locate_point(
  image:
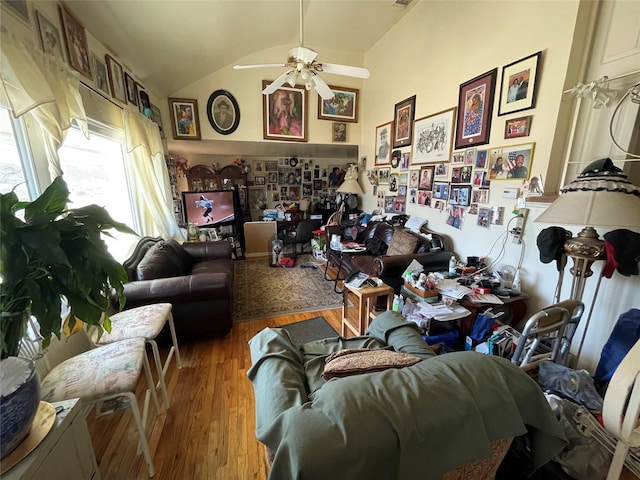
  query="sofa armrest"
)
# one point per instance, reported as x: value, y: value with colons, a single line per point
x: 395, y: 265
x: 201, y: 251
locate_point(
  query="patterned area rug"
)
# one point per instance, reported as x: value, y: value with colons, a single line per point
x: 262, y: 291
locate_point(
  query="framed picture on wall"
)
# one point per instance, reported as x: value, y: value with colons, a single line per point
x: 475, y: 106
x: 116, y: 79
x: 517, y: 127
x: 512, y: 162
x: 284, y: 114
x: 185, y: 124
x: 518, y: 87
x: 404, y: 113
x: 75, y: 37
x: 101, y: 76
x: 343, y: 106
x: 433, y: 137
x: 50, y: 39
x: 223, y: 112
x: 132, y: 90
x: 339, y: 130
x: 383, y: 147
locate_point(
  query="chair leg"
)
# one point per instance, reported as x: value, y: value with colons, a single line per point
x: 175, y: 341
x: 160, y: 371
x: 143, y: 443
x: 151, y: 384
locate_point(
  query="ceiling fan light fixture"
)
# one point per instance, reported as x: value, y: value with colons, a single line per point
x: 305, y: 75
x: 292, y: 78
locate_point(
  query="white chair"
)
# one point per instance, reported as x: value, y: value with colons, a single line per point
x: 145, y: 322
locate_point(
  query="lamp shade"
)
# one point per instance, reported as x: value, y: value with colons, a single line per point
x: 350, y: 184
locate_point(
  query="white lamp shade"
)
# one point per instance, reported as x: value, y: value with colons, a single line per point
x: 350, y: 184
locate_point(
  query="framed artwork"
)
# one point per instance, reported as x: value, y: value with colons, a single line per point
x: 20, y: 8
x: 289, y: 176
x: 481, y: 158
x: 460, y: 195
x: 480, y: 196
x: 383, y: 175
x: 404, y: 113
x: 404, y: 161
x: 157, y: 118
x: 257, y: 198
x: 383, y: 148
x: 517, y: 127
x: 395, y: 158
x: 455, y: 174
x: 342, y: 106
x: 50, y: 39
x: 272, y: 177
x: 457, y: 157
x: 441, y: 170
x: 132, y: 90
x: 475, y: 106
x: 223, y: 112
x: 424, y: 198
x: 184, y: 118
x: 271, y: 165
x: 116, y: 79
x: 144, y: 102
x: 465, y: 174
x: 470, y: 155
x: 284, y: 114
x: 426, y: 177
x: 518, y: 87
x: 339, y: 132
x: 433, y: 137
x: 317, y: 184
x: 403, y: 178
x: 75, y: 38
x: 260, y: 180
x: 514, y: 161
x: 258, y: 167
x: 101, y: 77
x: 393, y: 182
x: 441, y: 190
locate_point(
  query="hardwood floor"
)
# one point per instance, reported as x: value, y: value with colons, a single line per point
x: 209, y: 430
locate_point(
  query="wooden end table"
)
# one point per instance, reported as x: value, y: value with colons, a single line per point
x: 356, y: 319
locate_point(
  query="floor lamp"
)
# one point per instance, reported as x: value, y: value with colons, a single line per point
x: 351, y: 188
x: 601, y: 196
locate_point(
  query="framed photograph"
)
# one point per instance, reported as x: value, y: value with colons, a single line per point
x: 223, y: 112
x: 184, y: 118
x: 455, y: 174
x: 343, y: 106
x: 475, y: 106
x: 518, y: 87
x: 517, y: 127
x: 339, y: 130
x: 457, y: 157
x: 441, y: 190
x: 157, y: 117
x: 144, y: 102
x: 289, y: 176
x: 470, y: 155
x: 259, y: 180
x: 257, y: 198
x: 116, y: 79
x: 132, y: 89
x: 383, y: 175
x: 481, y: 159
x: 441, y: 170
x: 101, y: 77
x: 20, y: 8
x: 404, y: 113
x: 271, y: 165
x: 317, y: 184
x: 50, y: 39
x: 424, y: 198
x: 75, y: 38
x: 433, y: 137
x: 512, y: 162
x: 460, y: 195
x: 383, y: 148
x: 426, y: 177
x: 284, y: 114
x: 480, y: 196
x: 272, y: 177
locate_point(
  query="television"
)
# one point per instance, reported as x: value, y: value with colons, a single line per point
x: 211, y: 208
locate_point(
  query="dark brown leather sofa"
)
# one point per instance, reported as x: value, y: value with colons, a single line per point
x: 196, y: 278
x: 430, y: 250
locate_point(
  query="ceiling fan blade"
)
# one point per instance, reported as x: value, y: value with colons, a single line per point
x: 276, y: 84
x: 322, y: 88
x: 258, y: 65
x: 345, y: 70
x: 303, y: 54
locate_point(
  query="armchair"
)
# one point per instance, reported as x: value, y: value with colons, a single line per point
x: 301, y: 235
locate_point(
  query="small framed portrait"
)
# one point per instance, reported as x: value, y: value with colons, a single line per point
x: 480, y: 196
x: 317, y: 184
x: 343, y: 106
x: 441, y: 170
x: 457, y: 157
x: 424, y: 198
x: 475, y: 106
x: 223, y: 112
x: 101, y: 77
x: 284, y: 114
x: 383, y: 147
x: 441, y: 190
x: 460, y: 195
x: 185, y: 124
x: 518, y: 87
x: 465, y: 174
x: 414, y: 178
x: 470, y: 156
x: 403, y: 178
x: 258, y: 167
x: 144, y: 102
x: 339, y: 132
x: 132, y: 89
x: 404, y: 113
x: 156, y: 116
x: 383, y: 175
x: 455, y: 174
x: 512, y: 162
x: 481, y: 158
x: 426, y: 177
x: 116, y: 79
x: 271, y: 165
x: 260, y: 180
x: 76, y: 40
x: 50, y: 39
x: 433, y: 137
x: 272, y: 177
x: 517, y: 127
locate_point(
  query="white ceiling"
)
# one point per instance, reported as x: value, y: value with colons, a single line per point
x: 174, y: 43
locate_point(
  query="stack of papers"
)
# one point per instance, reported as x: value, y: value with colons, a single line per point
x: 453, y: 289
x: 486, y: 298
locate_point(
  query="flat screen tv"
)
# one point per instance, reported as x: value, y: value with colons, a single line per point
x: 210, y: 208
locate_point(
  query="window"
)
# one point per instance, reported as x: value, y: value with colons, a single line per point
x: 12, y: 173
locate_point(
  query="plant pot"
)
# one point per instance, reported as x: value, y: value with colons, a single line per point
x: 20, y: 387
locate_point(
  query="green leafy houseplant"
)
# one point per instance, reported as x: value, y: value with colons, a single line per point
x: 55, y: 256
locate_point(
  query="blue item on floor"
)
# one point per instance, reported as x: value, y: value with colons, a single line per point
x: 448, y: 338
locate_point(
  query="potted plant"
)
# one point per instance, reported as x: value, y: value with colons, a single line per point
x: 50, y: 258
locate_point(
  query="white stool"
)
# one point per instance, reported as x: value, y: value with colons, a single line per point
x: 144, y: 322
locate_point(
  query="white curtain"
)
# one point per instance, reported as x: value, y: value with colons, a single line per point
x: 150, y: 179
x: 37, y: 84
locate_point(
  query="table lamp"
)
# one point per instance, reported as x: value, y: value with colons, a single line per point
x: 351, y: 187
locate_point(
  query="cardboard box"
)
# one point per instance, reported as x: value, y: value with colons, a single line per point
x: 420, y: 292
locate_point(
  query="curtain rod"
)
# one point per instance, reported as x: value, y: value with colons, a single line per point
x: 607, y: 79
x: 94, y: 90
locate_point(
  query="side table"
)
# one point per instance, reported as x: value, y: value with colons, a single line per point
x: 356, y: 318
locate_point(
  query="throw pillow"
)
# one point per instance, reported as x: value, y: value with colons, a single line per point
x: 402, y: 243
x: 375, y: 246
x: 160, y: 261
x: 355, y: 361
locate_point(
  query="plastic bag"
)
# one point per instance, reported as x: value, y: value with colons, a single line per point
x: 576, y: 385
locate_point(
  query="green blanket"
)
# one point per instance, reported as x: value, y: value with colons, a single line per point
x: 409, y: 423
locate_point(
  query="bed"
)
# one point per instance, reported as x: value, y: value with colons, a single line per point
x: 423, y: 421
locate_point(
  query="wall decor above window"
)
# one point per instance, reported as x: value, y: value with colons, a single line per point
x: 475, y: 106
x: 116, y: 79
x: 343, y: 106
x: 76, y: 40
x: 223, y: 112
x: 184, y: 118
x: 404, y: 113
x: 50, y: 39
x: 518, y: 88
x: 132, y: 89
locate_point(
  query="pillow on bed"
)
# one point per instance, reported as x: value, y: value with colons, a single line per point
x: 402, y: 243
x: 355, y: 361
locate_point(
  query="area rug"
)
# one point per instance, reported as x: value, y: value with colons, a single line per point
x: 261, y: 291
x: 310, y: 330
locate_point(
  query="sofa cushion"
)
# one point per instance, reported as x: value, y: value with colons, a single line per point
x: 162, y: 260
x: 361, y: 360
x: 402, y: 243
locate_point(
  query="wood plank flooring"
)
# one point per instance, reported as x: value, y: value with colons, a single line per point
x: 208, y: 433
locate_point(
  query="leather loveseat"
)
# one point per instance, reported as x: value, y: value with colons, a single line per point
x: 195, y: 277
x: 384, y: 260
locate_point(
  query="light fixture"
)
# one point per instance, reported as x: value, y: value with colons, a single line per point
x: 350, y: 184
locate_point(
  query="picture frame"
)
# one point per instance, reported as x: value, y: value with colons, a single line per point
x: 116, y: 78
x: 517, y: 127
x: 441, y: 169
x: 156, y: 116
x: 511, y: 162
x: 457, y: 157
x: 272, y: 177
x: 271, y: 165
x: 339, y: 132
x: 383, y: 175
x: 75, y: 37
x: 518, y: 85
x: 403, y: 116
x: 342, y: 106
x: 426, y: 177
x: 49, y: 35
x: 131, y: 88
x: 383, y: 147
x: 258, y: 167
x: 260, y: 180
x: 101, y: 79
x: 223, y: 112
x: 144, y: 102
x: 441, y: 190
x: 284, y: 114
x: 475, y: 108
x: 460, y: 195
x: 19, y: 8
x: 433, y: 136
x: 185, y: 123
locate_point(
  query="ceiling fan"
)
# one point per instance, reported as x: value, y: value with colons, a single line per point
x: 304, y: 68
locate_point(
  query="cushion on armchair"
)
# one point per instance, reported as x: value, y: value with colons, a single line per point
x: 162, y: 260
x: 354, y: 361
x: 402, y: 243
